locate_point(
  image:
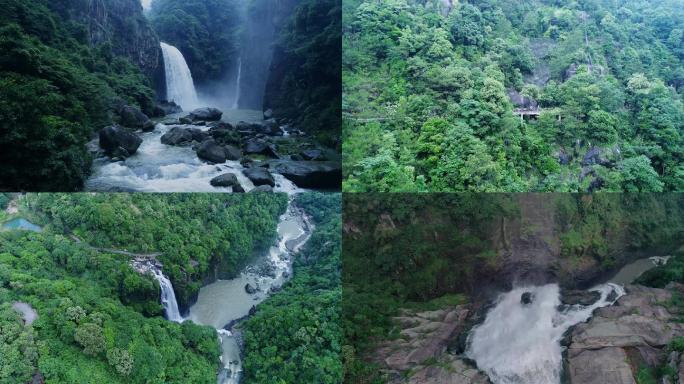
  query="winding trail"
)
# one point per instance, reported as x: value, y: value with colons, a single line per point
x: 152, y: 255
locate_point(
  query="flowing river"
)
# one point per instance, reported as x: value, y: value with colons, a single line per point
x: 225, y: 302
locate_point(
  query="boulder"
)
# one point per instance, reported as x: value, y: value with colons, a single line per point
x: 603, y: 366
x: 310, y: 174
x: 225, y: 180
x: 117, y: 139
x: 250, y: 289
x: 259, y: 176
x: 268, y: 114
x: 225, y: 134
x: 169, y: 107
x: 205, y: 114
x: 526, y: 298
x: 177, y: 136
x: 263, y: 189
x: 185, y: 120
x: 210, y: 151
x: 313, y: 154
x: 238, y: 189
x: 232, y: 152
x: 260, y: 147
x: 132, y: 117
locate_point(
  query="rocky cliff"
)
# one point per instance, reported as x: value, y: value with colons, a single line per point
x: 121, y: 24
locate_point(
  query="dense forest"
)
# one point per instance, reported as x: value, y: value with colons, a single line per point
x: 89, y: 326
x: 295, y: 336
x: 199, y: 236
x: 534, y: 95
x: 424, y: 252
x: 60, y: 80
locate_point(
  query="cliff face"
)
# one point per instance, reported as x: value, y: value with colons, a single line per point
x: 120, y: 23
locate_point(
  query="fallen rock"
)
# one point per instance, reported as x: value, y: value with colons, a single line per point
x: 132, y: 117
x: 586, y: 298
x: 225, y: 180
x: 259, y: 176
x: 260, y: 147
x: 212, y: 152
x: 250, y: 289
x: 313, y: 154
x: 232, y: 153
x: 116, y: 139
x: 526, y: 298
x: 205, y: 114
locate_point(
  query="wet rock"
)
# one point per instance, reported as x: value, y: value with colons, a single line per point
x: 169, y: 107
x: 232, y: 152
x: 116, y: 139
x: 594, y: 157
x: 225, y: 134
x: 252, y: 310
x: 185, y: 120
x: 313, y: 154
x: 132, y: 117
x: 238, y: 189
x: 250, y: 289
x: 209, y: 150
x: 286, y: 274
x: 225, y: 180
x: 259, y: 176
x: 585, y: 298
x: 205, y: 114
x: 596, y: 184
x: 526, y: 298
x: 310, y: 174
x: 262, y: 189
x: 177, y: 136
x: 268, y: 114
x: 260, y: 147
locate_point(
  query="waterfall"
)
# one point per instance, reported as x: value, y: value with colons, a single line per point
x: 168, y: 297
x: 179, y: 85
x: 520, y: 343
x: 146, y: 4
x: 237, y: 85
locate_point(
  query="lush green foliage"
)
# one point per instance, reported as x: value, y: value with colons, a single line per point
x: 198, y: 235
x: 89, y: 328
x: 295, y: 336
x: 205, y: 31
x: 427, y: 95
x: 56, y: 89
x: 305, y: 86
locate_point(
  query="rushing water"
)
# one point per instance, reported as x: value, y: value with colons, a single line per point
x: 168, y: 297
x: 21, y: 224
x: 158, y: 167
x: 179, y: 85
x: 238, y: 81
x: 520, y: 343
x: 225, y: 301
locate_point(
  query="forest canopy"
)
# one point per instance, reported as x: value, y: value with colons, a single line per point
x: 534, y: 95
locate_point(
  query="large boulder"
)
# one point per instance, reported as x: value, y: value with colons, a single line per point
x: 260, y: 147
x: 586, y: 298
x: 259, y: 176
x: 224, y: 133
x: 183, y: 136
x: 232, y: 152
x: 205, y: 114
x: 169, y: 107
x: 225, y: 180
x: 310, y: 174
x: 116, y: 140
x: 132, y: 117
x: 210, y: 151
x: 262, y: 189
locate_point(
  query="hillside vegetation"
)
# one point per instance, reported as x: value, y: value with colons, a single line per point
x: 430, y: 90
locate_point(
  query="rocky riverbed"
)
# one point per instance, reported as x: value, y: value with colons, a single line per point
x: 207, y: 150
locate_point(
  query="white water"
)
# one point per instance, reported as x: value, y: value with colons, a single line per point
x: 179, y: 85
x: 236, y: 103
x: 520, y: 344
x: 146, y: 4
x: 168, y: 297
x: 158, y: 167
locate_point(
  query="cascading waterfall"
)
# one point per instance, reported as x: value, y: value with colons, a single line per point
x: 168, y: 297
x: 238, y: 80
x: 520, y: 343
x: 179, y: 85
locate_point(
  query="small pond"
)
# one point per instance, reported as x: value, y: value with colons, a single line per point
x: 21, y: 224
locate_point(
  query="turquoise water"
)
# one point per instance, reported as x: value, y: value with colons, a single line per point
x: 21, y: 224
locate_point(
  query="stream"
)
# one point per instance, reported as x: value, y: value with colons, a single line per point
x: 225, y: 302
x: 519, y: 341
x: 158, y: 167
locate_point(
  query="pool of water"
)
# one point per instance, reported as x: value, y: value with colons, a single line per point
x: 21, y: 224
